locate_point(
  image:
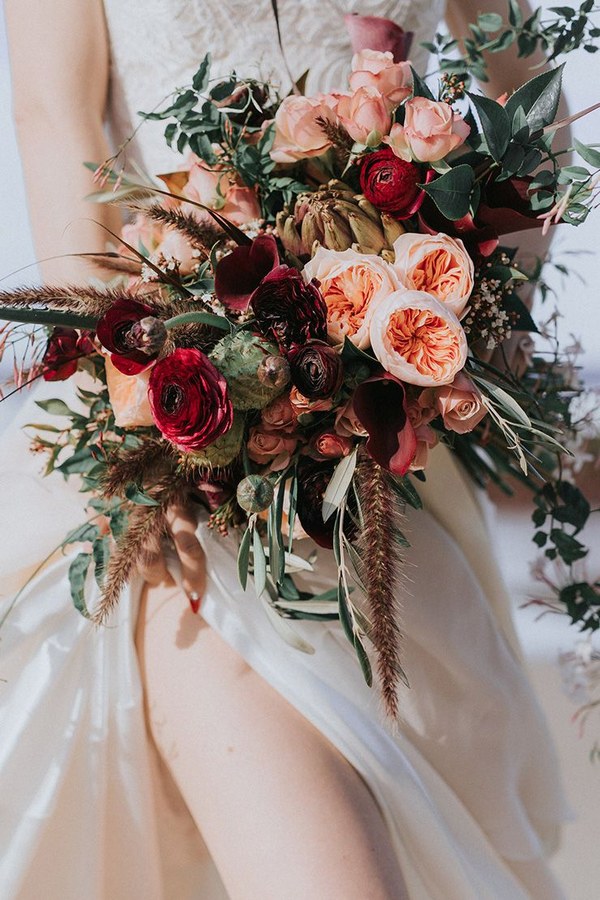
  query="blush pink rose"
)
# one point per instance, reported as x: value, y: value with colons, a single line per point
x: 431, y: 129
x: 364, y: 113
x: 418, y: 339
x: 222, y: 191
x: 329, y: 445
x: 436, y: 264
x: 298, y: 134
x: 422, y: 409
x: 352, y: 284
x: 460, y: 405
x: 302, y: 404
x: 279, y: 415
x: 347, y: 422
x: 270, y: 447
x: 373, y: 68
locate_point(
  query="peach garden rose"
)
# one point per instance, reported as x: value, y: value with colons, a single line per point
x: 436, y: 264
x: 352, y: 284
x: 418, y: 339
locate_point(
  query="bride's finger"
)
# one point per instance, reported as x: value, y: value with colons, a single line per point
x: 182, y: 525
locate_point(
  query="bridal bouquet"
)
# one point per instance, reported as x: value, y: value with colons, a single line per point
x: 302, y: 311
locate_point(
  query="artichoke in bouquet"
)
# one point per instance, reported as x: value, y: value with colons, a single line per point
x: 336, y: 218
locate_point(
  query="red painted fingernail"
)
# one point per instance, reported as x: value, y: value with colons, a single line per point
x: 194, y: 599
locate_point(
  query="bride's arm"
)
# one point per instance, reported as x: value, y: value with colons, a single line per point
x: 59, y: 61
x: 60, y: 71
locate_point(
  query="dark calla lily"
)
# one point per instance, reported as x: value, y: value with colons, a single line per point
x: 380, y: 406
x: 240, y: 272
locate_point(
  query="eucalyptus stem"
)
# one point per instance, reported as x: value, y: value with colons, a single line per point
x: 47, y: 317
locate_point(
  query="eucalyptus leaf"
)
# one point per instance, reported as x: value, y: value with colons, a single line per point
x: 55, y: 407
x: 588, y: 154
x: 539, y: 98
x: 284, y: 629
x: 78, y: 570
x: 260, y: 564
x: 139, y: 497
x: 451, y: 192
x: 339, y: 484
x: 243, y: 560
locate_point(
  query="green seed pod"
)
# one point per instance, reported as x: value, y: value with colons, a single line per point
x: 238, y: 357
x: 254, y: 493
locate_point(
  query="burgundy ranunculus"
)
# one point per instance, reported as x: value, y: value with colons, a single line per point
x: 380, y: 406
x: 114, y: 331
x: 240, y: 272
x: 288, y: 310
x: 392, y: 184
x: 189, y: 401
x: 65, y: 347
x: 316, y: 370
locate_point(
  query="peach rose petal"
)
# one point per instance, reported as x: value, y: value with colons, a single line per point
x: 352, y: 285
x: 436, y: 264
x: 128, y: 397
x: 418, y: 339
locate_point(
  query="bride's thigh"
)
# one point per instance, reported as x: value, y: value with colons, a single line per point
x: 281, y: 810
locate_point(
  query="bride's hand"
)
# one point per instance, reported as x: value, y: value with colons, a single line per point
x: 190, y: 560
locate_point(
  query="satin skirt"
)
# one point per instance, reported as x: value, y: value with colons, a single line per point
x: 468, y: 783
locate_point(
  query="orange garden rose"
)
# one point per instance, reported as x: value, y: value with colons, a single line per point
x: 298, y: 134
x: 418, y: 339
x: 373, y: 68
x: 352, y: 284
x: 430, y: 132
x: 460, y: 405
x: 436, y: 264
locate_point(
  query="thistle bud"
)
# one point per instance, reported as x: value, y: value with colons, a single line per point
x: 274, y: 371
x: 254, y: 493
x: 148, y: 335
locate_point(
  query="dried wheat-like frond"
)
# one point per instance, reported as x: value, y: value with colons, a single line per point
x: 201, y: 235
x: 381, y: 557
x: 140, y: 465
x: 140, y: 542
x: 82, y: 299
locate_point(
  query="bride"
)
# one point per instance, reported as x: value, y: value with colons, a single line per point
x: 266, y: 765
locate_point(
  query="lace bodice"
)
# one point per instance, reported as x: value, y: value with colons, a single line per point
x: 156, y: 46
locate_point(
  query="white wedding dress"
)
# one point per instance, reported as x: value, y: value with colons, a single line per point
x: 468, y: 786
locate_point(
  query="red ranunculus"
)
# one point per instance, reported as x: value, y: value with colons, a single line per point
x: 288, y: 310
x: 392, y: 184
x: 114, y: 332
x: 380, y: 406
x: 241, y: 271
x: 189, y: 401
x: 65, y: 347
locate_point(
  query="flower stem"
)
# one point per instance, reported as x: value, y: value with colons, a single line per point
x: 48, y: 317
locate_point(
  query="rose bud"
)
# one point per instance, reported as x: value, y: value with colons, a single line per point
x: 316, y: 369
x: 288, y: 310
x: 114, y: 331
x: 391, y: 184
x: 329, y: 445
x: 274, y: 371
x: 189, y: 401
x: 65, y: 347
x: 148, y: 335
